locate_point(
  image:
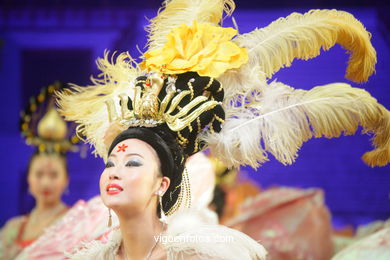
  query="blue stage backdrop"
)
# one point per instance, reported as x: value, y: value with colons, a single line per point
x: 40, y: 45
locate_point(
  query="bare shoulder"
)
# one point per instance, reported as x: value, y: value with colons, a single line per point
x: 14, y: 222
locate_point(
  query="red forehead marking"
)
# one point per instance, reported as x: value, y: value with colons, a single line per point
x: 122, y: 148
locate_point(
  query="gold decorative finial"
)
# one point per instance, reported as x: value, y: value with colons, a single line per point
x: 52, y: 126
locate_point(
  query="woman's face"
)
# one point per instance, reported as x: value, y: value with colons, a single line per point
x: 132, y: 177
x: 47, y: 178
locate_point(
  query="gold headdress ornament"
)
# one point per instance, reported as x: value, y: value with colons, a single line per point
x: 209, y: 86
x: 43, y: 127
x: 149, y: 111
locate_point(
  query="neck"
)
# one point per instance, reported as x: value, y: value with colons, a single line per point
x: 42, y: 206
x: 139, y: 234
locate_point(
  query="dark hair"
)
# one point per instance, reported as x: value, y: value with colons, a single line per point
x: 219, y: 200
x: 170, y: 153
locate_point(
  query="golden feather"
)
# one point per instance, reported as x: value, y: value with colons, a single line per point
x: 87, y: 105
x: 175, y: 13
x: 302, y: 36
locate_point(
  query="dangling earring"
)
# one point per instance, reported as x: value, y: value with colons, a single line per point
x: 163, y: 218
x: 109, y: 224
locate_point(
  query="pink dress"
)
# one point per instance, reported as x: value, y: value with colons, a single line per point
x: 84, y: 222
x: 11, y: 237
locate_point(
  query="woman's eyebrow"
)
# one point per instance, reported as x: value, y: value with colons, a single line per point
x: 126, y: 155
x: 131, y: 154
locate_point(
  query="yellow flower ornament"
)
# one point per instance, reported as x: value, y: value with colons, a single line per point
x: 201, y: 48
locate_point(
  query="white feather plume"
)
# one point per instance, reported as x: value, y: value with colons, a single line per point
x: 197, y: 240
x: 279, y: 119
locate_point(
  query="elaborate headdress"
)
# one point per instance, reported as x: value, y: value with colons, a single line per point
x: 209, y: 86
x: 43, y: 127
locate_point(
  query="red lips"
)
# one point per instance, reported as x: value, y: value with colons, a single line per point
x: 46, y: 192
x: 113, y: 189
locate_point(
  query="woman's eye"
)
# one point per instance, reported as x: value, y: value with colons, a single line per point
x: 133, y: 163
x: 39, y: 174
x: 109, y: 164
x: 53, y: 175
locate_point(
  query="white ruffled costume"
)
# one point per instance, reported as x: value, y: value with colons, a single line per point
x: 186, y: 237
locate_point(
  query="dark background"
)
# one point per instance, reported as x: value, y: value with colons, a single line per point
x: 44, y: 41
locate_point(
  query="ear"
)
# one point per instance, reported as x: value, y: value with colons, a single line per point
x: 165, y: 181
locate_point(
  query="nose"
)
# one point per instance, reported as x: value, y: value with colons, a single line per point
x: 113, y: 175
x: 46, y: 182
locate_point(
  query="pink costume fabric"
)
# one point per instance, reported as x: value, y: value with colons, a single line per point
x: 84, y: 222
x: 11, y: 236
x: 292, y: 224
